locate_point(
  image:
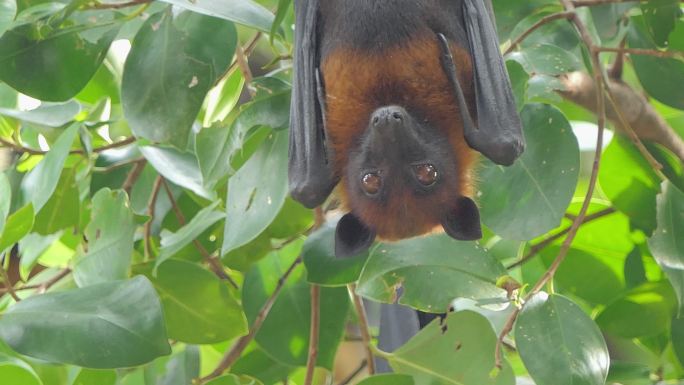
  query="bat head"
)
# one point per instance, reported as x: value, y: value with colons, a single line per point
x: 401, y: 181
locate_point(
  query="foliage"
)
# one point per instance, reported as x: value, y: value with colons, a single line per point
x: 146, y: 236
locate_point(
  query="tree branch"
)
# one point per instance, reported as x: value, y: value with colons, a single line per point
x: 234, y: 353
x: 314, y: 333
x: 363, y: 325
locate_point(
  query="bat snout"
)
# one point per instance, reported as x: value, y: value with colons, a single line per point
x: 389, y: 116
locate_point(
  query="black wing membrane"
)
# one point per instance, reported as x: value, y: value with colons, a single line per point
x: 498, y: 133
x: 310, y: 174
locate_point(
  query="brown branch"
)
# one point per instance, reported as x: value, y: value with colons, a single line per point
x: 21, y: 149
x: 42, y: 287
x: 543, y: 21
x: 150, y: 212
x: 363, y: 325
x: 241, y: 60
x: 601, y: 83
x: 347, y: 380
x: 535, y: 249
x: 9, y: 287
x: 236, y: 350
x: 133, y: 176
x: 213, y: 262
x: 314, y: 333
x: 117, y: 5
x: 591, y: 3
x: 642, y: 51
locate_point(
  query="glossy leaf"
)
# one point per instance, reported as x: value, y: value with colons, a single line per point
x: 172, y: 65
x: 666, y: 243
x: 198, y: 307
x: 660, y: 17
x: 530, y: 197
x: 256, y: 192
x: 8, y: 9
x: 5, y: 199
x: 95, y: 377
x: 463, y: 354
x: 559, y: 343
x: 17, y: 226
x: 285, y: 333
x: 388, y: 379
x: 432, y: 271
x: 14, y: 371
x: 171, y: 243
x: 245, y: 12
x: 63, y: 208
x: 40, y: 182
x: 47, y: 114
x: 179, y: 167
x: 54, y: 67
x: 322, y: 266
x: 110, y: 240
x: 231, y: 379
x: 650, y: 69
x: 124, y: 318
x: 546, y: 59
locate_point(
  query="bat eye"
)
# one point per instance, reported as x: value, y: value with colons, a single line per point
x: 371, y: 183
x: 426, y: 174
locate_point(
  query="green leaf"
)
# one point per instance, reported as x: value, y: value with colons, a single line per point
x: 677, y: 336
x: 519, y: 79
x: 172, y: 65
x: 48, y: 114
x: 39, y: 184
x: 5, y: 199
x: 322, y: 266
x: 110, y: 240
x: 644, y: 311
x: 530, y: 197
x: 666, y: 243
x: 63, y: 209
x: 231, y: 379
x: 630, y: 183
x: 388, y: 379
x: 182, y: 369
x: 260, y: 365
x: 292, y: 220
x: 217, y: 146
x: 650, y: 69
x: 433, y: 271
x: 8, y: 8
x: 17, y: 226
x: 285, y: 333
x: 245, y: 12
x: 660, y: 17
x: 198, y: 307
x: 221, y: 100
x: 171, y: 243
x: 256, y: 192
x: 546, y: 59
x: 54, y: 67
x: 179, y: 167
x: 463, y: 355
x: 124, y: 325
x: 14, y: 371
x: 95, y: 377
x: 559, y: 343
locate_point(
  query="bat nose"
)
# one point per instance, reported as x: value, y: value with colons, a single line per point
x: 388, y: 116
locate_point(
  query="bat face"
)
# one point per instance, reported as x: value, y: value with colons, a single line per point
x: 400, y: 182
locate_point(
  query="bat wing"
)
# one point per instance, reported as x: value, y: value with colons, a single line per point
x: 310, y: 174
x: 498, y: 133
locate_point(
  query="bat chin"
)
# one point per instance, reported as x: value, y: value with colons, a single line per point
x: 403, y: 229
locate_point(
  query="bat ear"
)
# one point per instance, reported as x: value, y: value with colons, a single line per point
x: 463, y: 222
x: 352, y: 237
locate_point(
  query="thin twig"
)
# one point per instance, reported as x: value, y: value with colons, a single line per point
x: 117, y: 5
x: 236, y: 350
x: 355, y: 373
x: 42, y: 287
x: 133, y: 176
x: 9, y: 287
x: 643, y: 51
x: 543, y: 21
x: 241, y: 60
x: 535, y: 249
x: 601, y: 83
x: 213, y: 262
x: 150, y: 212
x: 363, y: 325
x: 314, y: 333
x: 21, y: 149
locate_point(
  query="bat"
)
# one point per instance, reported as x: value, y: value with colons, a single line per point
x: 390, y: 101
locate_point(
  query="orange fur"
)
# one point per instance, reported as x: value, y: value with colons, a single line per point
x: 409, y: 75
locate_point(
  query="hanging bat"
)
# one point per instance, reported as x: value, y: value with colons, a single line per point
x: 390, y: 98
